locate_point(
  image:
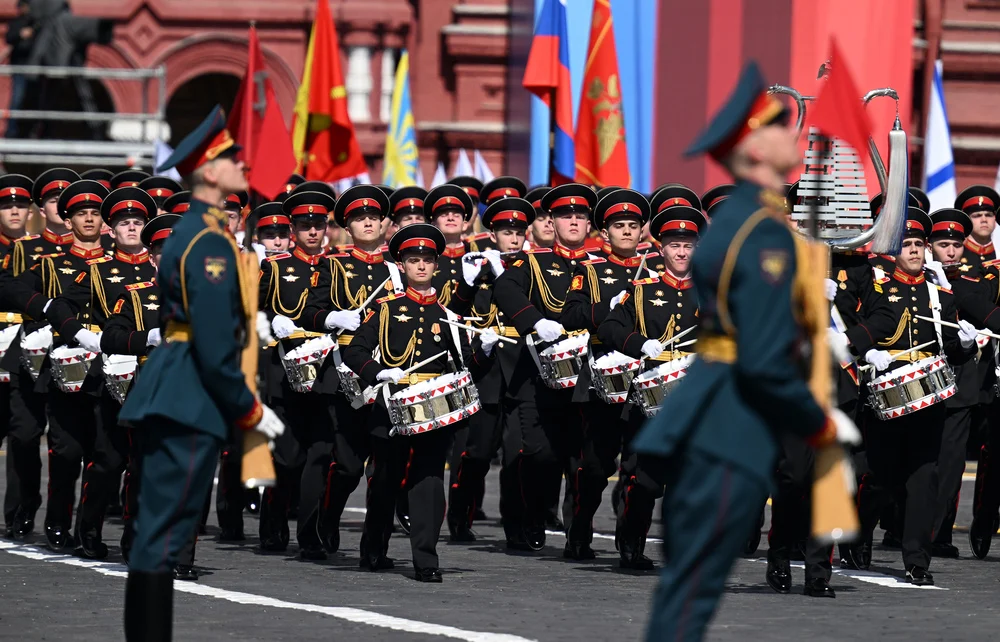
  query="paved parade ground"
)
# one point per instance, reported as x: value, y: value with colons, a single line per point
x: 488, y: 595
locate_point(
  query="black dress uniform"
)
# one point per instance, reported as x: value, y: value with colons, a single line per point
x: 973, y: 200
x: 487, y: 431
x: 160, y: 188
x: 345, y: 281
x: 407, y: 201
x: 417, y: 333
x: 597, y: 285
x: 532, y: 289
x: 108, y: 278
x: 15, y: 190
x: 27, y: 396
x: 499, y: 187
x: 903, y: 452
x: 73, y: 416
x: 656, y: 308
x: 450, y: 198
x: 302, y: 454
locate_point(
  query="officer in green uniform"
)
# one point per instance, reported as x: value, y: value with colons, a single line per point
x: 718, y: 428
x: 203, y: 318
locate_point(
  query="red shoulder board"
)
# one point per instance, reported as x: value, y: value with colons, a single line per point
x: 391, y: 297
x: 54, y: 255
x: 990, y: 276
x: 595, y: 260
x: 80, y: 277
x: 946, y: 290
x: 991, y: 263
x: 369, y: 314
x: 645, y: 245
x: 118, y: 305
x: 539, y: 250
x: 283, y: 255
x: 518, y: 263
x: 651, y: 280
x: 138, y: 286
x: 973, y: 279
x: 100, y: 259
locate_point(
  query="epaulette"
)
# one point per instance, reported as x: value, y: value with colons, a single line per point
x: 645, y: 245
x: 538, y: 250
x: 990, y: 276
x: 138, y: 286
x: 283, y: 255
x: 991, y: 263
x: 973, y: 278
x: 100, y: 259
x: 339, y: 255
x: 595, y: 261
x: 945, y: 290
x: 29, y: 237
x: 51, y: 256
x: 345, y: 248
x: 391, y: 297
x: 480, y: 236
x: 648, y: 281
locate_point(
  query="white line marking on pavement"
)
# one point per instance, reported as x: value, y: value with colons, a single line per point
x: 358, y: 616
x: 889, y: 581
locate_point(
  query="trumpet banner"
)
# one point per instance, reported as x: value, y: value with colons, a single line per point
x: 257, y: 467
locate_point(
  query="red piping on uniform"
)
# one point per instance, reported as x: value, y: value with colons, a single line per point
x: 520, y: 311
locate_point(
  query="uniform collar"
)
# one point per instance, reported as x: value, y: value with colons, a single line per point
x: 981, y: 250
x: 63, y: 239
x: 374, y: 257
x: 631, y: 262
x: 95, y: 253
x: 138, y: 257
x: 416, y: 297
x: 606, y: 248
x: 675, y: 283
x: 905, y: 278
x: 454, y: 252
x: 566, y: 253
x: 311, y: 259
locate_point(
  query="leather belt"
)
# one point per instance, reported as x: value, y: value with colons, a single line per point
x: 717, y: 347
x: 508, y: 331
x: 909, y: 355
x: 11, y: 317
x: 418, y: 377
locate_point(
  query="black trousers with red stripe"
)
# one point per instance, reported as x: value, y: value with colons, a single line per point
x: 791, y: 509
x: 951, y: 466
x: 352, y: 445
x: 73, y: 428
x: 102, y: 473
x: 25, y: 429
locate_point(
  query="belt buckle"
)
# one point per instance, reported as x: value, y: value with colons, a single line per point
x: 413, y: 378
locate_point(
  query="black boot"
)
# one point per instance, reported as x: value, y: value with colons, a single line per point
x: 630, y: 548
x: 92, y: 547
x: 149, y: 607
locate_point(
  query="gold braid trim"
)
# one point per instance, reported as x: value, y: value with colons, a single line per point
x: 18, y: 261
x: 444, y: 297
x: 50, y: 284
x: 668, y: 332
x: 276, y: 305
x: 549, y: 300
x: 488, y: 319
x: 97, y: 287
x: 640, y: 312
x: 355, y: 299
x: 595, y: 286
x: 904, y: 321
x: 137, y: 311
x: 389, y: 359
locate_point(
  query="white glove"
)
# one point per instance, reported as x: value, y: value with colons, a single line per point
x: 264, y: 329
x: 496, y: 263
x: 652, y: 348
x: 269, y: 425
x: 831, y: 289
x: 45, y: 308
x: 260, y: 251
x: 880, y: 359
x: 938, y: 270
x: 283, y: 326
x: 967, y: 333
x: 153, y: 337
x: 390, y: 374
x: 839, y: 343
x: 549, y: 330
x: 347, y: 319
x: 90, y: 341
x: 847, y: 432
x: 489, y: 338
x: 618, y: 299
x: 472, y: 266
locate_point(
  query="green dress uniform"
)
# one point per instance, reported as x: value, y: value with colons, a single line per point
x: 718, y: 427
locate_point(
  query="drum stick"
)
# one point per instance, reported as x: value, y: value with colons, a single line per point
x: 477, y: 330
x: 638, y: 270
x: 913, y: 349
x: 423, y: 363
x: 678, y: 336
x: 364, y: 305
x: 985, y: 333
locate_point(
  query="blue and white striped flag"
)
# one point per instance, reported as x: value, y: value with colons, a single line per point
x: 939, y: 163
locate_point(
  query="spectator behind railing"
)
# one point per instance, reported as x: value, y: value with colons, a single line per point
x: 21, y: 38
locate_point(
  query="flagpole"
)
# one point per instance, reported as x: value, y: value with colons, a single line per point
x: 552, y: 139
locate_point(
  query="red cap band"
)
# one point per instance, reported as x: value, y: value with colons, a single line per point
x: 127, y: 205
x: 537, y: 204
x: 911, y: 225
x: 567, y: 201
x: 180, y: 208
x: 509, y: 215
x: 106, y: 184
x: 408, y: 203
x: 362, y: 202
x: 673, y: 202
x: 129, y: 184
x: 979, y: 200
x: 233, y: 198
x: 267, y: 221
x: 89, y: 198
x: 471, y: 191
x: 159, y: 235
x: 417, y: 242
x: 160, y: 192
x: 55, y: 185
x: 446, y: 200
x: 622, y: 208
x: 719, y: 199
x: 946, y: 226
x: 685, y: 225
x: 308, y: 209
x: 16, y: 191
x: 503, y: 191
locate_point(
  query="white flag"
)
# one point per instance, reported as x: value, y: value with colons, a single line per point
x: 483, y: 171
x: 161, y: 152
x: 462, y: 166
x: 939, y: 164
x: 419, y: 177
x: 440, y: 177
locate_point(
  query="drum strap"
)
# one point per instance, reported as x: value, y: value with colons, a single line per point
x: 397, y: 281
x: 456, y: 340
x: 932, y: 293
x: 529, y: 341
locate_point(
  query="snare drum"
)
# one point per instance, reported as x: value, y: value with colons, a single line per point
x: 70, y: 367
x: 6, y: 338
x: 34, y: 348
x: 350, y: 384
x: 912, y: 387
x: 119, y: 370
x: 562, y: 363
x: 436, y: 403
x: 612, y: 376
x: 303, y: 363
x: 653, y: 386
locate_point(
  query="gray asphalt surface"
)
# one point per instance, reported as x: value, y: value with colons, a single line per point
x: 485, y: 589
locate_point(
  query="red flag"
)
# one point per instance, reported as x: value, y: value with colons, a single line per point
x: 838, y: 110
x: 256, y: 124
x: 601, y: 158
x: 323, y: 135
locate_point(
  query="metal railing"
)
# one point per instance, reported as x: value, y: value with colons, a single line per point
x: 139, y: 153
